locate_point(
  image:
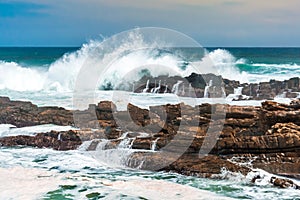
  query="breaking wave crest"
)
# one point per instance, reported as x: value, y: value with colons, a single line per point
x: 61, y: 75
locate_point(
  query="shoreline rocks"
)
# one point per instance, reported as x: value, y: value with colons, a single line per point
x: 21, y: 114
x: 170, y: 137
x: 62, y: 141
x: 284, y: 183
x: 194, y: 86
x: 209, y: 166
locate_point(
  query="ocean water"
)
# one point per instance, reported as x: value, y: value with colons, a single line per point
x: 47, y: 76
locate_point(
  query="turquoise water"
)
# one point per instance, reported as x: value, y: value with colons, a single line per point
x: 266, y: 55
x: 268, y: 61
x: 34, y: 56
x: 44, y: 56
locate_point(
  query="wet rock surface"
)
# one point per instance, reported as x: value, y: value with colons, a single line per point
x: 170, y: 137
x: 23, y: 114
x: 209, y: 166
x: 195, y: 86
x: 284, y: 183
x: 67, y: 140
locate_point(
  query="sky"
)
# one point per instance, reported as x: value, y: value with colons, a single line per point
x: 218, y: 23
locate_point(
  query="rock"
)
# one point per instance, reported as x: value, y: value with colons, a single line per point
x: 22, y: 114
x: 274, y: 106
x: 106, y: 106
x: 284, y: 164
x: 258, y: 91
x: 283, y: 183
x: 253, y: 180
x: 197, y: 80
x: 268, y: 137
x: 272, y: 113
x: 295, y: 104
x: 280, y: 138
x: 66, y: 140
x: 188, y: 164
x: 139, y: 116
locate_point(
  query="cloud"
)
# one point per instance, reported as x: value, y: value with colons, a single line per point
x: 10, y: 9
x: 157, y: 4
x: 233, y: 3
x: 213, y: 22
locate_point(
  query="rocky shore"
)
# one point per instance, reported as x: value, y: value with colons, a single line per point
x: 195, y: 86
x: 21, y: 114
x: 170, y: 137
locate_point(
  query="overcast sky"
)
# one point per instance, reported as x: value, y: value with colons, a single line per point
x: 210, y: 22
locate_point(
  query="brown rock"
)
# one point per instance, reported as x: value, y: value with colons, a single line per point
x: 22, y: 114
x: 66, y: 140
x: 283, y: 183
x: 192, y: 165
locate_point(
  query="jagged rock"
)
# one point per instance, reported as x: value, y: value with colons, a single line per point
x: 257, y: 91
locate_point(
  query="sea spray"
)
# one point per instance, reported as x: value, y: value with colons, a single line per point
x: 61, y: 75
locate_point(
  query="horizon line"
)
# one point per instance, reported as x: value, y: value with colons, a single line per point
x: 67, y: 46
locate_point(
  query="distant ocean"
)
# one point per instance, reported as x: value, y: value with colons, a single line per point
x: 46, y: 76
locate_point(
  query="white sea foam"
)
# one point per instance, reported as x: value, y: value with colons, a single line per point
x: 159, y: 189
x: 122, y: 58
x: 221, y: 62
x: 19, y: 183
x: 16, y: 77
